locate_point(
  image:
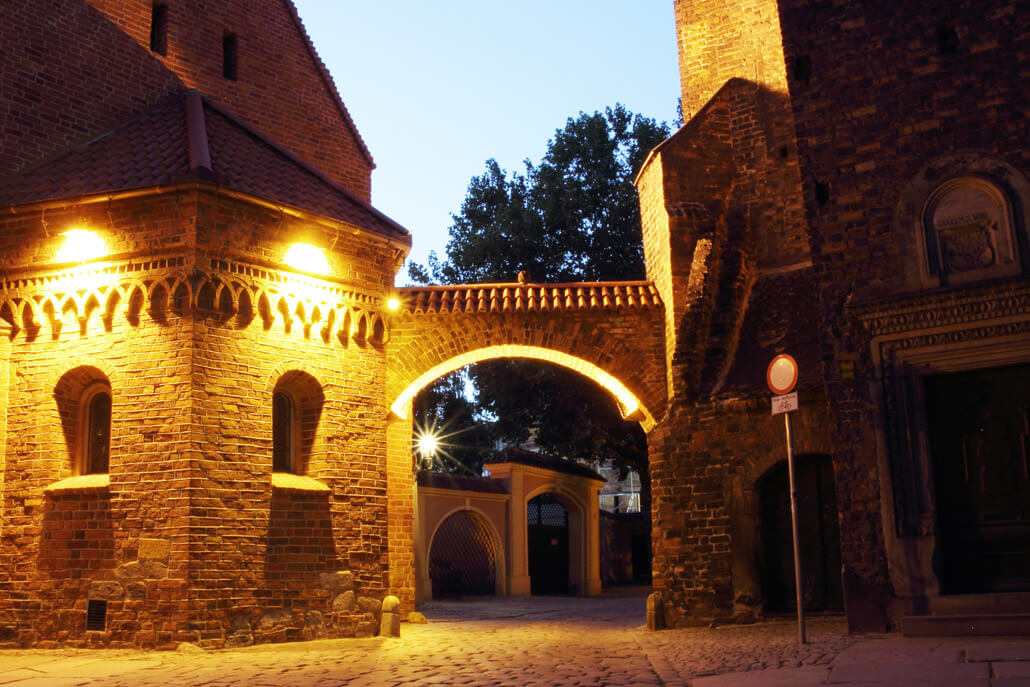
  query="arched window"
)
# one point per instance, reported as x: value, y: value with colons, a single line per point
x: 296, y: 409
x: 285, y: 433
x: 968, y: 232
x: 96, y: 429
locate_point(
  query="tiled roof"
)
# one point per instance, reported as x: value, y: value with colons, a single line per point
x: 540, y: 460
x: 154, y: 149
x: 441, y: 481
x: 149, y: 150
x: 530, y: 297
x: 782, y: 314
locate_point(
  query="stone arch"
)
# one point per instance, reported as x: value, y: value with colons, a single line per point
x: 490, y: 527
x: 70, y: 392
x: 91, y: 361
x: 306, y: 399
x: 749, y: 530
x: 578, y: 536
x: 970, y: 169
x: 629, y: 404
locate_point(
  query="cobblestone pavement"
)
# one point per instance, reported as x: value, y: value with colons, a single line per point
x: 535, y: 641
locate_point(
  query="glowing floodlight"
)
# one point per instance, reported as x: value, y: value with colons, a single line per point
x: 393, y: 304
x: 81, y: 245
x: 307, y: 258
x: 427, y: 445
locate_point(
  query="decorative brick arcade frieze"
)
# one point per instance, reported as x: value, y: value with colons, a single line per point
x: 221, y: 291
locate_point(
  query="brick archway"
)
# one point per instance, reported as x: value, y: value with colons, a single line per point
x: 613, y: 333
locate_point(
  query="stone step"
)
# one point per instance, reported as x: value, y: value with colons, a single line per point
x: 979, y: 604
x: 978, y: 625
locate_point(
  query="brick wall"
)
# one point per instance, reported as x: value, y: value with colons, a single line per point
x: 889, y: 96
x: 190, y: 541
x: 720, y: 40
x: 282, y: 89
x: 68, y: 74
x: 77, y: 68
x: 696, y: 455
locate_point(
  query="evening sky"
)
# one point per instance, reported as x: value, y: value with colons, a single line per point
x: 436, y: 89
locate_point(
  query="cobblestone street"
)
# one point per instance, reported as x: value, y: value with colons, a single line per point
x: 550, y: 641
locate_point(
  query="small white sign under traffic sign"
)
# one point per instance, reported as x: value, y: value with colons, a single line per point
x: 784, y: 403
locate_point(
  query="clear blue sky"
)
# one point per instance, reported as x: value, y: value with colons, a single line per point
x: 436, y: 89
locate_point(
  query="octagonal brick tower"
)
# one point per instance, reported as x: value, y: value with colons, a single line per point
x: 163, y: 479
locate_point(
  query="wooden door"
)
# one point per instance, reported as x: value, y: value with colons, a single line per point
x: 979, y: 441
x: 818, y: 531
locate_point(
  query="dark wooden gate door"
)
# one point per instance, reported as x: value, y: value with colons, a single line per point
x: 979, y: 439
x: 818, y: 531
x: 548, y: 534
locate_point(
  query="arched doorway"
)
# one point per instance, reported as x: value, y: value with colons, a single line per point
x: 547, y: 532
x: 463, y: 557
x: 818, y: 533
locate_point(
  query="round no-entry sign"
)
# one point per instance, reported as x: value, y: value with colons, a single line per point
x: 782, y: 374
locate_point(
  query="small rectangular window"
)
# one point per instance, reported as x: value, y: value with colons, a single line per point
x: 159, y: 28
x: 96, y: 616
x: 230, y: 56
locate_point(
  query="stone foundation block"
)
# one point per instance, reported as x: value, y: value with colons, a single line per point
x: 341, y: 580
x: 109, y: 590
x: 344, y: 602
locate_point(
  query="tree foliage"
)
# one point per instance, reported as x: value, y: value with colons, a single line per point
x: 572, y: 217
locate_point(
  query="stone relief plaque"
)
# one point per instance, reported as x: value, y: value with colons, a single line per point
x: 969, y: 233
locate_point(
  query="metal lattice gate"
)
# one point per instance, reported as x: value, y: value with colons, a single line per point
x: 463, y: 557
x: 548, y: 543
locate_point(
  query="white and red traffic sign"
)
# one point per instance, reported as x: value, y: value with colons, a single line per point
x: 782, y: 374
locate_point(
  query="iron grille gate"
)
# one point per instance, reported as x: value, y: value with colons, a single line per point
x: 463, y: 558
x: 548, y: 544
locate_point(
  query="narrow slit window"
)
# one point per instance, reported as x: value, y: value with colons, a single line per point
x: 284, y: 433
x: 159, y: 28
x: 97, y: 426
x: 230, y: 56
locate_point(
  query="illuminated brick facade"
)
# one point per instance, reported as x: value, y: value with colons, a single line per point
x: 849, y: 187
x: 150, y: 390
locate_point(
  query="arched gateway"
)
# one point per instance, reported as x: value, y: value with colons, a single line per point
x: 611, y: 332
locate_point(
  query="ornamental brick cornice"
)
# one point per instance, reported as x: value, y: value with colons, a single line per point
x: 224, y: 291
x: 970, y: 305
x: 516, y: 297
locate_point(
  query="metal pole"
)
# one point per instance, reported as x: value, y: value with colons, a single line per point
x: 799, y: 594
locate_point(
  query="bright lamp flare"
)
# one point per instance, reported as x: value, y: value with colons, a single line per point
x: 427, y: 445
x: 307, y: 258
x: 393, y: 304
x: 81, y: 245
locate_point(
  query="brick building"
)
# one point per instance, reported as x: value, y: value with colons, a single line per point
x: 849, y: 187
x: 206, y: 374
x: 205, y: 370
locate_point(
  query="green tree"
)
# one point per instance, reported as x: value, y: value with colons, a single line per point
x: 574, y: 216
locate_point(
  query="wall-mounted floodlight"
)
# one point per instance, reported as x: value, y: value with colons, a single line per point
x: 307, y: 258
x: 81, y: 245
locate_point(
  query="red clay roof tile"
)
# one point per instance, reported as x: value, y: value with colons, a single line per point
x: 153, y: 149
x: 516, y: 297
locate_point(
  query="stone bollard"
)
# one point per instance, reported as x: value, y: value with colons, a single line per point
x: 390, y: 620
x: 655, y: 612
